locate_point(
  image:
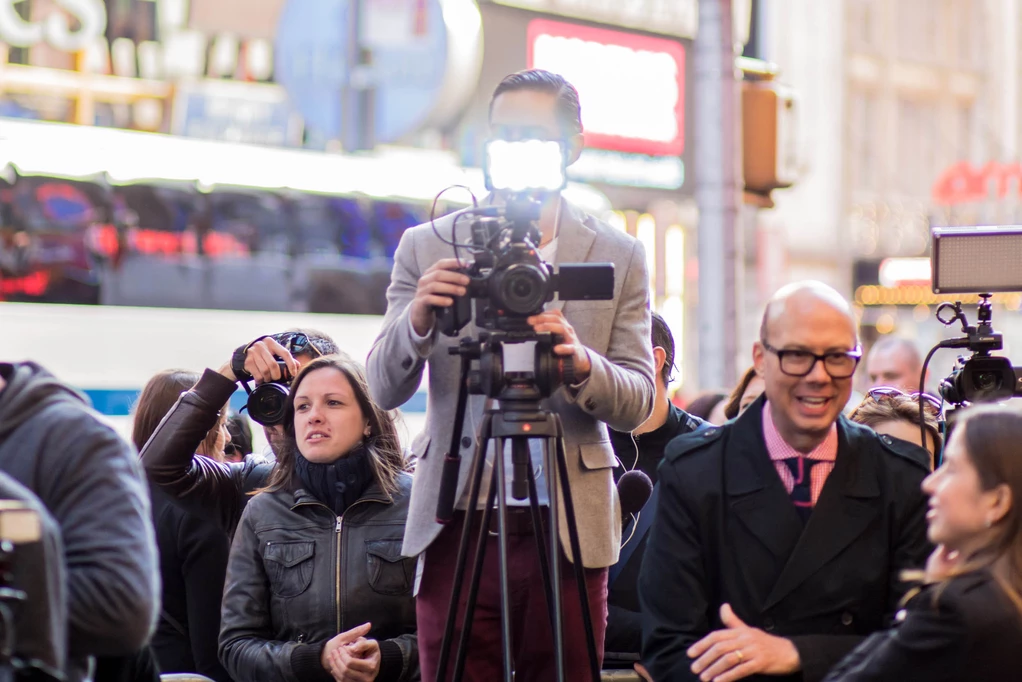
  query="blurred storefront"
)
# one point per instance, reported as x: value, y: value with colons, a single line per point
x: 108, y: 212
x: 933, y: 121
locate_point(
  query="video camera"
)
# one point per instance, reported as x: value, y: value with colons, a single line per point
x: 509, y: 280
x: 980, y: 260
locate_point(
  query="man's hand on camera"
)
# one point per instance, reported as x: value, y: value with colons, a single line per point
x: 436, y: 288
x: 261, y: 363
x: 553, y: 321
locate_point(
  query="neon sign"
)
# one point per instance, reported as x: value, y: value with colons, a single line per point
x: 964, y: 183
x: 632, y: 87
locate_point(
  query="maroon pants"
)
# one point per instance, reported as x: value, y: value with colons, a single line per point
x: 531, y: 636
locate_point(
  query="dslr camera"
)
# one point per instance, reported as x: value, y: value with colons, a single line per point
x: 267, y: 402
x: 509, y: 280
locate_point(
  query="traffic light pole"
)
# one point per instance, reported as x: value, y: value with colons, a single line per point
x: 718, y: 192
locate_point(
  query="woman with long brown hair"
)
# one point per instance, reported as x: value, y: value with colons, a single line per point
x: 316, y: 584
x: 965, y: 623
x: 193, y: 550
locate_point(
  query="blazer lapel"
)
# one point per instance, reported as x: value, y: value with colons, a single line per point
x: 756, y: 495
x: 574, y: 241
x: 846, y: 508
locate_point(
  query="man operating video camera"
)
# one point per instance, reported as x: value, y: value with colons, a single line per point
x: 607, y: 341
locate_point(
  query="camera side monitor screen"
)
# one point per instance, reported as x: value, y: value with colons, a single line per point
x: 525, y: 166
x: 974, y: 260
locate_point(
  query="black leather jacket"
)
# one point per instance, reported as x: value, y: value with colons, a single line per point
x: 204, y: 487
x: 298, y: 575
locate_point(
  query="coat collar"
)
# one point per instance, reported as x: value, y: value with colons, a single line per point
x: 845, y: 509
x: 374, y: 493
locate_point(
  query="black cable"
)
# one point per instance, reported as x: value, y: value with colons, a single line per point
x: 432, y: 215
x: 922, y: 411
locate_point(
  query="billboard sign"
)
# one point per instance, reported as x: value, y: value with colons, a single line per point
x: 631, y: 87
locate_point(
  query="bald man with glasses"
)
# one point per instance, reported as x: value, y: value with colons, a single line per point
x: 780, y: 537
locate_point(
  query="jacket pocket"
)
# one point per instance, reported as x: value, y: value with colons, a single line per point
x: 289, y: 567
x: 389, y: 572
x: 598, y: 455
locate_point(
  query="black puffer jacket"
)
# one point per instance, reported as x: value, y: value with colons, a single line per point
x: 298, y: 575
x: 90, y: 482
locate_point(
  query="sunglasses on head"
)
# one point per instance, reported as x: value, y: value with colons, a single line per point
x: 888, y: 391
x: 297, y: 343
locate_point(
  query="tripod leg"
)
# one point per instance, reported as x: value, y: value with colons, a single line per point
x: 556, y: 609
x: 541, y: 548
x: 478, y: 466
x: 473, y: 588
x: 576, y: 552
x: 505, y: 584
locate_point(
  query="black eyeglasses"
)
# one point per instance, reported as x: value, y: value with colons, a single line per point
x: 799, y: 363
x: 889, y: 391
x: 297, y: 343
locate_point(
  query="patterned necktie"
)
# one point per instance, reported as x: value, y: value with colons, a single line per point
x: 802, y: 492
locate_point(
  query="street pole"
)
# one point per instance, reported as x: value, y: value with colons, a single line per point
x: 718, y: 192
x: 357, y: 98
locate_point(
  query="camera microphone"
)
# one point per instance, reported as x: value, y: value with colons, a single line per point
x: 634, y: 488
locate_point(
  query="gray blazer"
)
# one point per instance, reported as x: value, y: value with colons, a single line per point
x: 618, y: 392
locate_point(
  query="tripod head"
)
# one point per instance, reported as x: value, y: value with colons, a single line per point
x: 509, y: 380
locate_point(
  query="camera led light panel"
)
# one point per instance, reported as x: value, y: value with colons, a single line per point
x: 975, y: 260
x: 525, y: 166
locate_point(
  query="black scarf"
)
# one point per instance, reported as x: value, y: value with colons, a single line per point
x: 339, y: 484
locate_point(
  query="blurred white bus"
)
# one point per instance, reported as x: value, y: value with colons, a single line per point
x: 109, y: 352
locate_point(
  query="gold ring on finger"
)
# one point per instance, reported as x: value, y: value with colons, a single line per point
x: 740, y: 655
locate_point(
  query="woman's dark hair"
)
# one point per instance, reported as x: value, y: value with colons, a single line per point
x: 569, y: 110
x: 241, y: 434
x: 382, y: 445
x: 158, y: 396
x: 992, y: 435
x: 892, y: 407
x: 734, y: 401
x: 704, y: 403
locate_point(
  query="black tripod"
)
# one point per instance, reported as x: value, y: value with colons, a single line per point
x: 518, y: 419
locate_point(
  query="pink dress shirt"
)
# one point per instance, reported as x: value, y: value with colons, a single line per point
x: 825, y: 452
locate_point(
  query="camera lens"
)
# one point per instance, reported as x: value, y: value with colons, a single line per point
x: 268, y: 404
x: 987, y: 381
x: 520, y: 289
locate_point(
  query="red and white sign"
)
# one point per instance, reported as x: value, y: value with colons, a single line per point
x: 964, y: 183
x: 632, y: 87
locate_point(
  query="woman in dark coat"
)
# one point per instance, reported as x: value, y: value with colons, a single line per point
x: 193, y: 550
x: 317, y: 588
x: 965, y: 623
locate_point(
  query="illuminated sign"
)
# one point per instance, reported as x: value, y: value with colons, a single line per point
x: 55, y: 29
x: 670, y: 17
x: 963, y: 183
x: 633, y: 170
x: 921, y: 294
x: 905, y: 271
x: 631, y: 87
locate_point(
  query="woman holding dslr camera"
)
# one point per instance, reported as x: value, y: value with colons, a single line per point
x: 316, y: 587
x: 965, y: 623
